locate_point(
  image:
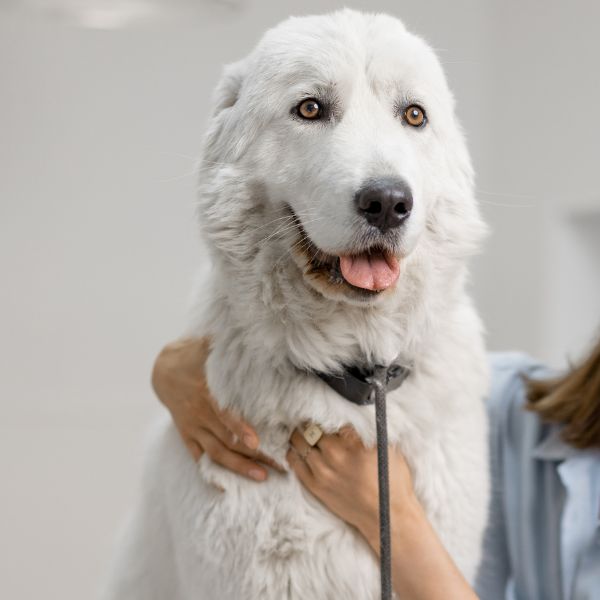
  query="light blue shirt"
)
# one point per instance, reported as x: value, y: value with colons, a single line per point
x: 543, y: 537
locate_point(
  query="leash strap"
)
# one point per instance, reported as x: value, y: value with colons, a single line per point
x: 364, y: 386
x: 378, y: 380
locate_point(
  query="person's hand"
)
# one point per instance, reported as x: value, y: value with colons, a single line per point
x: 342, y: 473
x: 179, y: 382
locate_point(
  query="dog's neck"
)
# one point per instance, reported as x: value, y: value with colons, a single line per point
x: 276, y: 312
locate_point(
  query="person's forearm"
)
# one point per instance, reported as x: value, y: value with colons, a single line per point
x: 422, y: 569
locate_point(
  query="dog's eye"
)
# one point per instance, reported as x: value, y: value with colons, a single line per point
x: 414, y: 115
x: 309, y: 109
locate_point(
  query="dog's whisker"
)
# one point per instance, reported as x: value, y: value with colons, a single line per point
x: 284, y: 218
x: 205, y: 161
x: 284, y: 228
x: 505, y: 194
x: 295, y: 224
x: 289, y: 217
x: 205, y: 165
x: 314, y: 255
x: 176, y: 177
x: 179, y: 155
x: 461, y: 62
x: 287, y: 253
x: 304, y: 243
x: 278, y: 231
x: 504, y: 205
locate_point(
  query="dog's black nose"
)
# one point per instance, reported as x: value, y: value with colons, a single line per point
x: 385, y: 203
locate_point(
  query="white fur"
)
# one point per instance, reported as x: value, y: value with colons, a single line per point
x: 270, y: 323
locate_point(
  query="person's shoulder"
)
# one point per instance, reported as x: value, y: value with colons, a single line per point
x: 512, y: 362
x: 508, y: 391
x: 509, y: 372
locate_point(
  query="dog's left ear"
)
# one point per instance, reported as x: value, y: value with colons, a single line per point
x: 220, y: 141
x: 456, y: 219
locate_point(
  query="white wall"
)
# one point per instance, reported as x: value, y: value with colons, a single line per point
x: 98, y: 246
x: 538, y: 283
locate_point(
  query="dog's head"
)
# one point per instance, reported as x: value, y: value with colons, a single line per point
x: 344, y: 128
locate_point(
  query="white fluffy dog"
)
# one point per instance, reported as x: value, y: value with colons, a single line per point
x: 337, y: 199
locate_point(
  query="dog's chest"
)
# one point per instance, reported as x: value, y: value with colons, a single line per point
x: 277, y: 541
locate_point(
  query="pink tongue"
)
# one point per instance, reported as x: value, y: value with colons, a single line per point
x: 370, y: 272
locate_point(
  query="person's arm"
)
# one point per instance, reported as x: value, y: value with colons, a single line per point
x: 342, y: 473
x: 494, y: 569
x: 339, y: 471
x: 179, y: 382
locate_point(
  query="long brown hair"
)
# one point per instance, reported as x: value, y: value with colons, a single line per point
x: 573, y: 400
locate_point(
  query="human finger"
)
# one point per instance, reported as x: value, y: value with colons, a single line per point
x: 300, y: 468
x: 194, y: 448
x: 243, y: 430
x: 349, y: 436
x: 328, y: 441
x: 231, y: 460
x: 309, y: 454
x: 267, y: 460
x: 217, y: 426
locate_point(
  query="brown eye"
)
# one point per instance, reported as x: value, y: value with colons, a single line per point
x: 309, y: 109
x: 414, y: 115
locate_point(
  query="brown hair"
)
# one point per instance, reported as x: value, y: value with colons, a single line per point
x: 573, y: 400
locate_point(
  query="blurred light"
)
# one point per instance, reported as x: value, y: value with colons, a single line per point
x: 116, y: 14
x: 107, y: 15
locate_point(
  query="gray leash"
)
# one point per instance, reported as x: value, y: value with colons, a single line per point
x: 379, y: 381
x: 369, y: 386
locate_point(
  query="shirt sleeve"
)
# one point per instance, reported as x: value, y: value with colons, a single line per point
x: 494, y: 571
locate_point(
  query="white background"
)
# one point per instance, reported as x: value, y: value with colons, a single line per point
x: 102, y: 109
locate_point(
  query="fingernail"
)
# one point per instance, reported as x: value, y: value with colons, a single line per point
x: 257, y: 474
x: 250, y: 441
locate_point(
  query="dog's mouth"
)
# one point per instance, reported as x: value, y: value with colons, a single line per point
x: 365, y: 273
x: 375, y: 270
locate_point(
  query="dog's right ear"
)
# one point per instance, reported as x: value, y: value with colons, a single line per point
x: 220, y: 143
x: 228, y: 89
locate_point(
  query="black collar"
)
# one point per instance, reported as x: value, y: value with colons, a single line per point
x: 358, y: 384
